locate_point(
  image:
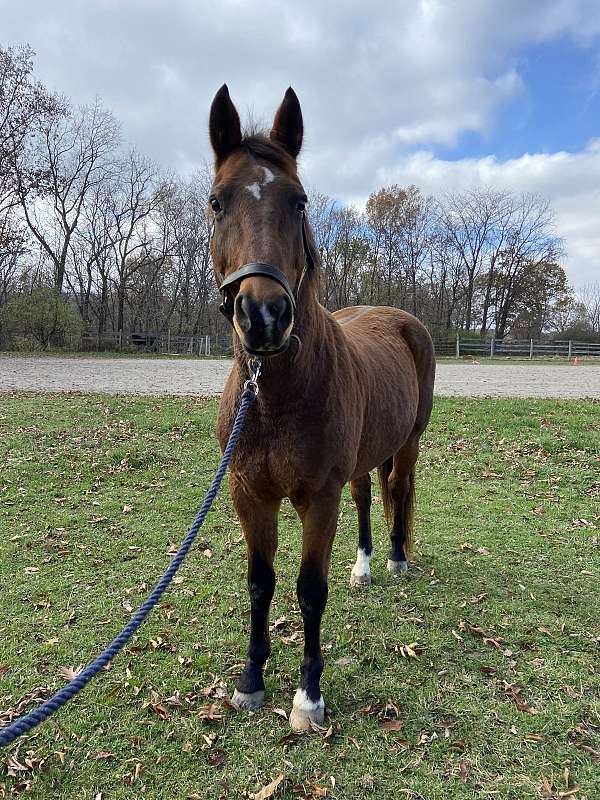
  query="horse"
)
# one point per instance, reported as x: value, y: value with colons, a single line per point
x: 339, y: 394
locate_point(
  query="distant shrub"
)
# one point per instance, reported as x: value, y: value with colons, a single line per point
x: 40, y: 320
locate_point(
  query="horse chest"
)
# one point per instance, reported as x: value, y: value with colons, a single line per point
x: 287, y: 454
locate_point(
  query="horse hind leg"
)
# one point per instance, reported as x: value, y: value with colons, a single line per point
x: 398, y: 490
x: 360, y: 490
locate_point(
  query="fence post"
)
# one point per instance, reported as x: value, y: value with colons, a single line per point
x: 120, y: 339
x: 570, y: 349
x: 457, y: 346
x: 531, y: 348
x: 169, y: 340
x: 207, y: 345
x: 492, y: 343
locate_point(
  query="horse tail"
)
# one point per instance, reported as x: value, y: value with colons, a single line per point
x: 385, y: 470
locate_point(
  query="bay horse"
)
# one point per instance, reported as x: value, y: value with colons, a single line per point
x: 340, y: 394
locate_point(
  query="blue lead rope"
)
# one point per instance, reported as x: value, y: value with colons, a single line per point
x: 23, y: 725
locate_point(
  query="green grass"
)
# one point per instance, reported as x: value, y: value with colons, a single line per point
x: 501, y: 612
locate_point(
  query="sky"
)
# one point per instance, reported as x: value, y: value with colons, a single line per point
x: 445, y: 94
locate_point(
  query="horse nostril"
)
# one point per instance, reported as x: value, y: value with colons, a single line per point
x: 281, y: 310
x: 243, y: 309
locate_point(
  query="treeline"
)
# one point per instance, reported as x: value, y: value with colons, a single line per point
x: 95, y: 237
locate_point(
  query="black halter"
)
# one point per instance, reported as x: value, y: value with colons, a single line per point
x: 268, y: 271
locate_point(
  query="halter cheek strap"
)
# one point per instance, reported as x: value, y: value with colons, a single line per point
x: 267, y: 271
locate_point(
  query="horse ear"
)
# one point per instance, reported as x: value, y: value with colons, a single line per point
x: 224, y: 126
x: 288, y: 128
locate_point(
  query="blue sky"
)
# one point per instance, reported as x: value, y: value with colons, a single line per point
x: 557, y: 108
x: 560, y: 109
x: 445, y: 94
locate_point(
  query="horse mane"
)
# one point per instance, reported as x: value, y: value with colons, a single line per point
x: 258, y: 144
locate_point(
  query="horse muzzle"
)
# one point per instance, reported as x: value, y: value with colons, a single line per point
x: 263, y: 324
x: 264, y: 327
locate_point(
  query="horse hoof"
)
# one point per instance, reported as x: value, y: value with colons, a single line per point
x: 359, y: 580
x: 248, y: 702
x: 305, y: 713
x: 397, y: 567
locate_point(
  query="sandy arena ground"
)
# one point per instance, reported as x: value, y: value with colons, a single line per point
x: 207, y: 377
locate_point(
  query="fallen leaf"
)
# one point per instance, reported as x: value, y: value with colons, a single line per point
x: 391, y: 724
x: 70, y: 672
x: 216, y: 758
x: 344, y: 661
x: 268, y: 790
x: 595, y: 754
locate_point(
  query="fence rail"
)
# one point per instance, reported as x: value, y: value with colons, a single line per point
x: 455, y: 346
x: 166, y: 343
x: 464, y: 346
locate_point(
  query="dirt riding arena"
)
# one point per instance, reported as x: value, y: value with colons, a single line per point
x: 164, y: 376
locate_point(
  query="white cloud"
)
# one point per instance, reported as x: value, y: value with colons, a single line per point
x: 374, y: 80
x: 571, y: 181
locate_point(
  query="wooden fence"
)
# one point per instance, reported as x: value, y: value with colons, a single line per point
x: 463, y: 346
x: 460, y: 346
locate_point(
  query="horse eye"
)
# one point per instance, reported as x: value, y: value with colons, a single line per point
x: 301, y: 206
x: 214, y: 204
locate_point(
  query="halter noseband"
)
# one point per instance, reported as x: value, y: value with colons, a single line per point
x: 268, y: 271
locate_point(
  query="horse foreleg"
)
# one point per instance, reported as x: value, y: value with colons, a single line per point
x: 319, y: 519
x: 259, y: 525
x: 361, y: 494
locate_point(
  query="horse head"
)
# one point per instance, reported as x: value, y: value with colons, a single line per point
x: 261, y: 246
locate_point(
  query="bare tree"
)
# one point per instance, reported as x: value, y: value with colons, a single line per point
x: 469, y: 217
x: 589, y: 296
x: 135, y: 194
x: 532, y: 244
x: 74, y: 155
x: 24, y: 102
x: 192, y: 288
x: 13, y: 246
x: 415, y: 238
x: 385, y: 218
x: 340, y: 236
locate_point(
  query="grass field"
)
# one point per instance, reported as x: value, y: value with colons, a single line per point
x: 476, y: 676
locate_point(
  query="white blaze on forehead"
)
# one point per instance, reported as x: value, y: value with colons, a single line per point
x: 268, y: 175
x: 254, y: 188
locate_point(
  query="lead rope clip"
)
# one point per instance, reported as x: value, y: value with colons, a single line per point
x: 254, y: 368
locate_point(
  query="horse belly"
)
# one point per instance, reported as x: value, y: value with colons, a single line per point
x: 391, y: 407
x: 384, y: 435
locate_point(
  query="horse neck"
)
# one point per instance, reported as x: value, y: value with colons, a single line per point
x: 303, y: 363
